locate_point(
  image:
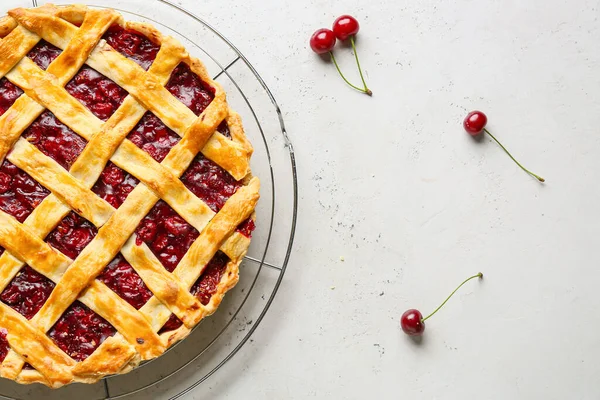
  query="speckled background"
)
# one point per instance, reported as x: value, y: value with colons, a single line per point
x: 394, y: 185
x: 398, y: 204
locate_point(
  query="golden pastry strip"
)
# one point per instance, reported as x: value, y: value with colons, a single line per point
x: 15, y: 47
x: 37, y: 348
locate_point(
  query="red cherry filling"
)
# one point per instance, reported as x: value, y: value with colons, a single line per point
x: 9, y: 93
x: 167, y: 234
x: 80, y: 331
x: 247, y: 227
x: 209, y: 182
x: 71, y: 235
x: 213, y: 185
x: 204, y: 287
x: 27, y: 292
x: 224, y: 129
x: 190, y: 89
x: 204, y: 178
x: 156, y: 139
x: 55, y: 139
x: 120, y: 276
x: 95, y: 91
x: 132, y: 45
x: 114, y: 185
x: 153, y: 136
x: 43, y: 54
x: 183, y: 84
x: 19, y: 193
x: 172, y: 323
x: 4, y: 347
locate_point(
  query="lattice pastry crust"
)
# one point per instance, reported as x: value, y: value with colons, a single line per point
x: 78, y: 31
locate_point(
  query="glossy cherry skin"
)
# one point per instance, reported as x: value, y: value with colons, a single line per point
x: 345, y: 26
x: 411, y: 322
x: 322, y: 41
x: 475, y: 123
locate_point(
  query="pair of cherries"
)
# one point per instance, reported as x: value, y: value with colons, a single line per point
x: 323, y: 41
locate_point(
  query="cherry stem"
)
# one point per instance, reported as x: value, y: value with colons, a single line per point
x: 539, y: 178
x: 367, y: 90
x: 344, y: 78
x: 479, y: 275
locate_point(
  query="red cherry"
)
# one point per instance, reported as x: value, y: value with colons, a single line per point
x: 412, y: 323
x: 322, y: 41
x: 475, y: 123
x: 345, y: 26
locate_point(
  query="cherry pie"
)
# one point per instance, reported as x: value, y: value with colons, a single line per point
x: 126, y: 198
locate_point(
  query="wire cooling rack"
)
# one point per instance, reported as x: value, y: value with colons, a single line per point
x: 218, y: 338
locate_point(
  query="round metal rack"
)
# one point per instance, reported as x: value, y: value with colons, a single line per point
x: 218, y: 338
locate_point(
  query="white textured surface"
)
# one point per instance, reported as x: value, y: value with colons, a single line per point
x: 394, y: 185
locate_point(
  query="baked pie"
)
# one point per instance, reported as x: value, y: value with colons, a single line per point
x: 126, y: 198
